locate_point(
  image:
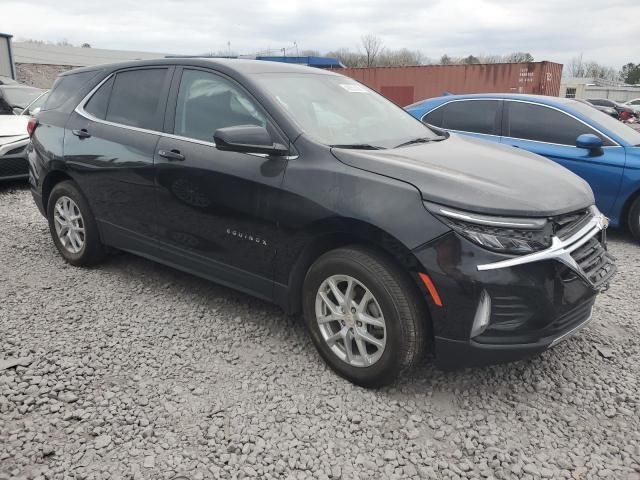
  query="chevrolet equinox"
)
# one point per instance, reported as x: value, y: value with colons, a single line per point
x: 307, y: 189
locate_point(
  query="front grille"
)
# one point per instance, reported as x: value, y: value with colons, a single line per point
x: 596, y: 263
x: 13, y: 167
x: 566, y: 225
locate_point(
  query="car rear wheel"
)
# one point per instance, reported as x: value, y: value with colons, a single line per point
x: 73, y: 226
x: 364, y: 315
x: 634, y: 219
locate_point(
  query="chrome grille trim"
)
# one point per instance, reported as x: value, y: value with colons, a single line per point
x: 559, y: 250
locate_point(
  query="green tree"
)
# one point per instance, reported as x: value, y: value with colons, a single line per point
x: 446, y: 60
x: 630, y: 73
x: 470, y: 60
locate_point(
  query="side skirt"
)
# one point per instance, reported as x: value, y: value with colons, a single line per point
x: 188, y: 262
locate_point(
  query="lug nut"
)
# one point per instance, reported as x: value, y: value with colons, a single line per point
x: 353, y: 310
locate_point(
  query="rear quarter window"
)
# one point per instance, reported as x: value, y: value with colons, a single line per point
x: 66, y: 87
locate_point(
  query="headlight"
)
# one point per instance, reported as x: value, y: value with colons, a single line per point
x: 499, y: 234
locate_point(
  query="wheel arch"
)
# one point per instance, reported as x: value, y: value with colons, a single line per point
x: 352, y: 232
x: 626, y: 208
x: 51, y: 180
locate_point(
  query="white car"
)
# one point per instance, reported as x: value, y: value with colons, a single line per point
x: 14, y: 140
x: 634, y: 104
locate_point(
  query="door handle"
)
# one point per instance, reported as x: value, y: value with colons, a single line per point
x: 171, y: 155
x: 81, y: 133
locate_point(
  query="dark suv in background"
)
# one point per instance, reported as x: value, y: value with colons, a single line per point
x: 307, y: 189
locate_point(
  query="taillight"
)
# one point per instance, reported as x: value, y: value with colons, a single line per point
x: 31, y: 126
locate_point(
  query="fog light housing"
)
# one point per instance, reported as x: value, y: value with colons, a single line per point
x: 483, y: 313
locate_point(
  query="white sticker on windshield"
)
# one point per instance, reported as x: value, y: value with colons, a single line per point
x: 353, y: 88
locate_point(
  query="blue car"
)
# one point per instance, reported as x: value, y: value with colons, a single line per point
x: 600, y: 149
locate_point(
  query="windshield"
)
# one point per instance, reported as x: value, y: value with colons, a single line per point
x: 337, y: 110
x: 20, y: 96
x: 625, y: 132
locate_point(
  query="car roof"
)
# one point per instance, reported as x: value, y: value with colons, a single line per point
x: 543, y: 99
x: 238, y: 65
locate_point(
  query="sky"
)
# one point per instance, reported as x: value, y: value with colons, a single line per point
x: 605, y: 31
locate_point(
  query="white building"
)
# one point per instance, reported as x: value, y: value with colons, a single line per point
x: 598, y: 88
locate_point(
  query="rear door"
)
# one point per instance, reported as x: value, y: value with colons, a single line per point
x: 109, y: 144
x: 480, y: 118
x: 552, y: 133
x: 217, y: 209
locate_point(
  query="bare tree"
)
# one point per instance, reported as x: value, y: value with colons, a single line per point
x: 372, y: 48
x: 577, y: 67
x: 518, y: 57
x: 401, y: 58
x: 348, y: 58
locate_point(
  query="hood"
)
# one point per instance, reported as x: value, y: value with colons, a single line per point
x: 476, y: 175
x: 13, y: 126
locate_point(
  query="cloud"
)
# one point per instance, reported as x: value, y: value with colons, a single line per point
x: 548, y: 29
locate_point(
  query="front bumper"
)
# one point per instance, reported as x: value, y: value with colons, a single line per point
x: 13, y: 160
x: 533, y: 304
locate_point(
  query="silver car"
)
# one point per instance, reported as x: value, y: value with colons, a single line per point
x: 14, y: 140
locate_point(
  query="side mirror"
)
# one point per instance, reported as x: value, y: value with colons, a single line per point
x: 589, y: 141
x: 248, y: 139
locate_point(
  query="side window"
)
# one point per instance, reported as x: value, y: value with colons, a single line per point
x: 543, y: 124
x: 65, y: 87
x: 136, y: 98
x: 99, y: 101
x: 207, y: 102
x: 477, y: 116
x: 635, y: 102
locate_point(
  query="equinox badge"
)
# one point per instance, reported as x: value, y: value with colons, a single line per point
x: 247, y: 236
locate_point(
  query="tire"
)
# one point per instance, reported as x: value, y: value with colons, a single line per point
x: 634, y: 219
x: 84, y: 247
x: 395, y: 303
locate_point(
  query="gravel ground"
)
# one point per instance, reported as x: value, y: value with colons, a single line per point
x: 134, y: 370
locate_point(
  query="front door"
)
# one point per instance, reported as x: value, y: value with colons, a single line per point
x: 216, y: 209
x: 552, y: 134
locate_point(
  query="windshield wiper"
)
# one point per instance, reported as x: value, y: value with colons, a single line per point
x: 360, y: 146
x: 420, y: 140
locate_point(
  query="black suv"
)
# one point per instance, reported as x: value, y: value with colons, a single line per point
x: 305, y: 188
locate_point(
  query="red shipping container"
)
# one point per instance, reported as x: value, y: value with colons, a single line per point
x: 406, y: 85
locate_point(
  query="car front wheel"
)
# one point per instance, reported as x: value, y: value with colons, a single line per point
x: 364, y: 315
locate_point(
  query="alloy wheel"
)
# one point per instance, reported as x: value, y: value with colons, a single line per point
x: 350, y: 320
x: 69, y: 224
